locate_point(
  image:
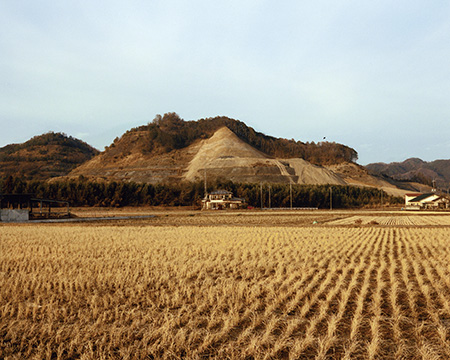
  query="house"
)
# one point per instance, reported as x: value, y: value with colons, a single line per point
x: 222, y: 199
x: 431, y: 200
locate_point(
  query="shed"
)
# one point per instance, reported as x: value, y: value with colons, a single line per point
x: 15, y: 207
x: 23, y: 207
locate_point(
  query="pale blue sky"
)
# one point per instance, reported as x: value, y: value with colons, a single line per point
x: 374, y: 75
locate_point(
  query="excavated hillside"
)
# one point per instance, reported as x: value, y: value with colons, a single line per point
x: 223, y: 155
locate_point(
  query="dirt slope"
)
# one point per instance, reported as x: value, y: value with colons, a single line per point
x: 225, y: 155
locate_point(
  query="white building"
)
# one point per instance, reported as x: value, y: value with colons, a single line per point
x: 426, y: 201
x: 222, y: 199
x: 409, y: 197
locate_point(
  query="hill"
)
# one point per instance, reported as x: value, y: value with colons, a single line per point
x: 223, y: 155
x: 169, y: 132
x: 415, y: 169
x: 172, y: 150
x: 44, y: 156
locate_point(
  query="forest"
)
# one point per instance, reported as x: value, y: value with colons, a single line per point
x: 84, y: 192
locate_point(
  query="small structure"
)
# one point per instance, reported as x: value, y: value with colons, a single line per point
x: 222, y: 199
x: 24, y: 207
x: 15, y: 207
x: 432, y: 201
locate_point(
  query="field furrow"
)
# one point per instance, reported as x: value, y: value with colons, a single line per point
x: 359, y: 292
x: 395, y: 220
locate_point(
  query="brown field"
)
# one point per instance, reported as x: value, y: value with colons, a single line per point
x: 247, y: 285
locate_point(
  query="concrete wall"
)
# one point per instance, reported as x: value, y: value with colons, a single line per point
x: 15, y: 215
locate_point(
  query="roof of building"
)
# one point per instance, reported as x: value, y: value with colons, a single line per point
x: 16, y: 196
x: 21, y: 200
x: 413, y: 194
x: 221, y: 192
x: 422, y: 197
x: 440, y: 198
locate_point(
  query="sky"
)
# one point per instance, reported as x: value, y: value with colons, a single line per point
x: 373, y: 75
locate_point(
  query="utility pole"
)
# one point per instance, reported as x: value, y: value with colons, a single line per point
x: 270, y: 202
x: 381, y: 199
x: 331, y: 198
x: 290, y: 193
x: 206, y: 192
x: 261, y: 196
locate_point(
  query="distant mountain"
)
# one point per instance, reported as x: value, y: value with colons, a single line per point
x: 44, y: 156
x: 415, y: 169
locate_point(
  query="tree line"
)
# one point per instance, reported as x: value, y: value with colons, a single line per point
x: 84, y: 192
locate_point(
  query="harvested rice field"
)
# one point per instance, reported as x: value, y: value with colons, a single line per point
x: 202, y: 286
x: 430, y: 220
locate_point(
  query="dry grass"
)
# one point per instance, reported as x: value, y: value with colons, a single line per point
x: 109, y: 292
